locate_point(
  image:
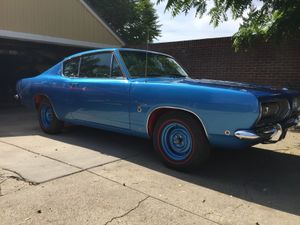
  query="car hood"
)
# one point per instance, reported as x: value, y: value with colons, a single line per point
x: 257, y: 90
x: 260, y: 91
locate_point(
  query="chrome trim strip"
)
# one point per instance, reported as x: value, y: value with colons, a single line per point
x: 173, y: 107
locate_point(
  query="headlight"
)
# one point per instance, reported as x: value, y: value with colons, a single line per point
x: 269, y: 109
x: 296, y: 104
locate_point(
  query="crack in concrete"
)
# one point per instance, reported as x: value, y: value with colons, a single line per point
x: 66, y: 163
x: 158, y: 199
x: 208, y: 213
x: 60, y: 161
x: 88, y: 170
x: 235, y: 208
x: 19, y: 177
x: 0, y: 187
x: 129, y: 211
x: 3, y: 181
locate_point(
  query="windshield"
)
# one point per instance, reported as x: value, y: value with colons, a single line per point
x: 158, y: 65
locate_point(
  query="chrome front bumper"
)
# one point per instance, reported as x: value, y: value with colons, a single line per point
x: 269, y: 135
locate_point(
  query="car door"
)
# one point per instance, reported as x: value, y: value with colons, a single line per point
x: 101, y: 93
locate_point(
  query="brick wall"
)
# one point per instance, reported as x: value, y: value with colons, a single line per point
x: 277, y: 65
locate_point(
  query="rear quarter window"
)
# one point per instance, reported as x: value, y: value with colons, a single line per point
x: 71, y: 67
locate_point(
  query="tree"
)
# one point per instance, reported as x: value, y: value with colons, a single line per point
x: 274, y: 20
x: 132, y: 20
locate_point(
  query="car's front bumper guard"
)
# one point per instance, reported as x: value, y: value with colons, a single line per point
x: 267, y: 135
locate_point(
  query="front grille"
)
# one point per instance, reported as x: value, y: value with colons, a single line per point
x: 282, y: 114
x: 284, y: 109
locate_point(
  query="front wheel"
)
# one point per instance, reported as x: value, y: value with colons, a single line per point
x: 180, y: 141
x: 48, y: 121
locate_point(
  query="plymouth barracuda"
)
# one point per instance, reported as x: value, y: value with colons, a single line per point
x: 148, y: 94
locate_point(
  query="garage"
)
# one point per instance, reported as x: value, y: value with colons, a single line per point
x: 21, y: 59
x: 36, y: 34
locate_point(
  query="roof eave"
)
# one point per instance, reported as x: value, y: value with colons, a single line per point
x: 102, y: 21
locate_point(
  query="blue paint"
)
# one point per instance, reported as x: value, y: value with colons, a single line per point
x: 176, y: 141
x: 46, y: 116
x: 112, y: 104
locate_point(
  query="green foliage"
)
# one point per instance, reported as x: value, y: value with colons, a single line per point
x: 275, y: 20
x: 130, y: 19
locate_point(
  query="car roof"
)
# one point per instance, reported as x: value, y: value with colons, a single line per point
x: 114, y: 49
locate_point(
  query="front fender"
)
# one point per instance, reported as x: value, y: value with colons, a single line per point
x: 220, y: 110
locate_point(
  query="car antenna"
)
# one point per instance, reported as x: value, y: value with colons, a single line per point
x: 147, y: 48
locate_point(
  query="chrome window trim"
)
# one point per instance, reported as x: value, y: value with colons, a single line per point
x: 114, y: 57
x: 178, y: 108
x: 62, y: 69
x: 111, y: 64
x: 79, y: 66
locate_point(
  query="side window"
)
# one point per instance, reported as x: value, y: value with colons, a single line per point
x: 96, y: 65
x: 71, y: 67
x: 116, y: 71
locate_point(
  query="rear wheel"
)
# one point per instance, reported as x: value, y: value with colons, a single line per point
x: 180, y: 141
x: 48, y: 121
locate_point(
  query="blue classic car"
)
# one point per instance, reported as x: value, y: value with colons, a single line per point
x: 148, y: 94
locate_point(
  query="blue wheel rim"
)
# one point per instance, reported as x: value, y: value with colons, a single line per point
x: 176, y: 141
x: 46, y: 116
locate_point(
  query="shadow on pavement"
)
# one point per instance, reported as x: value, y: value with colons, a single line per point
x: 260, y: 176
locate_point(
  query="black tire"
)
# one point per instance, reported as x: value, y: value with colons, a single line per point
x: 167, y: 139
x: 53, y: 125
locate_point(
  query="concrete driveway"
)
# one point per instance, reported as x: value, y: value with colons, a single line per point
x: 88, y: 176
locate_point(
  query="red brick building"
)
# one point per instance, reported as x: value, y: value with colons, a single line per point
x: 277, y: 65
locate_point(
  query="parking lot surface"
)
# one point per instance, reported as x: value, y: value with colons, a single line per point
x: 89, y: 176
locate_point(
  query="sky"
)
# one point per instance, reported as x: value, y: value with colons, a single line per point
x: 187, y: 27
